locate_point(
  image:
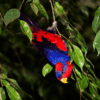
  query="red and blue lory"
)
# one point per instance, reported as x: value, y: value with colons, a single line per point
x: 51, y: 46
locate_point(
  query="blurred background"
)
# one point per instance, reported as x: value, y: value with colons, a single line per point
x: 22, y: 62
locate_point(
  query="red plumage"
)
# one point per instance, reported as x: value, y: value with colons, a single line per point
x: 52, y: 47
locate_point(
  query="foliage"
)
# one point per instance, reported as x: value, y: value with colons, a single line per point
x: 20, y: 61
x: 26, y: 29
x: 11, y: 15
x: 46, y: 69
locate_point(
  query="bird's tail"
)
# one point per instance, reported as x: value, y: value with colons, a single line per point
x: 63, y: 71
x: 32, y: 23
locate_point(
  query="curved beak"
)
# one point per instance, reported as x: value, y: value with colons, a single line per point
x: 64, y: 80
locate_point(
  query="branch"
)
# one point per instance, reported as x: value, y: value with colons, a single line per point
x: 54, y: 16
x: 77, y: 83
x: 52, y: 10
x: 21, y: 64
x: 66, y: 39
x: 65, y: 20
x: 21, y: 4
x: 1, y: 17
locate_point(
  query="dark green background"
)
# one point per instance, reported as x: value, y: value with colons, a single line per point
x: 23, y: 63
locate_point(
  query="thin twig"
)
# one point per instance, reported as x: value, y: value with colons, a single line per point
x: 60, y: 16
x: 21, y: 4
x: 19, y: 59
x: 16, y: 44
x: 66, y: 39
x: 85, y: 74
x: 64, y: 20
x: 52, y: 10
x: 54, y: 16
x: 77, y: 83
x: 58, y: 32
x: 1, y: 17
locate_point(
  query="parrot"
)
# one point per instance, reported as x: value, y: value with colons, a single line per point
x: 51, y: 46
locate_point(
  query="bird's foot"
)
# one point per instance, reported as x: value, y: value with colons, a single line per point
x: 54, y: 25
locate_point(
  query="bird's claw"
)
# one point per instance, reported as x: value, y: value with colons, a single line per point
x: 54, y: 25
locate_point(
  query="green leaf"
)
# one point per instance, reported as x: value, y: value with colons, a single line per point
x: 85, y: 10
x: 5, y: 83
x: 36, y: 1
x: 79, y: 36
x: 41, y: 8
x: 89, y: 68
x: 34, y: 8
x: 82, y: 46
x: 46, y: 69
x: 3, y: 76
x: 83, y: 83
x: 77, y: 72
x: 13, y: 83
x: 90, y: 62
x: 21, y: 30
x: 13, y: 80
x: 28, y: 1
x: 89, y: 95
x: 72, y: 77
x: 70, y: 51
x: 4, y: 70
x: 96, y: 43
x: 2, y: 94
x: 92, y: 78
x: 79, y: 80
x: 59, y: 9
x: 26, y: 29
x: 96, y: 20
x: 94, y: 91
x: 12, y: 93
x: 78, y: 57
x: 98, y: 82
x: 69, y: 28
x: 11, y: 15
